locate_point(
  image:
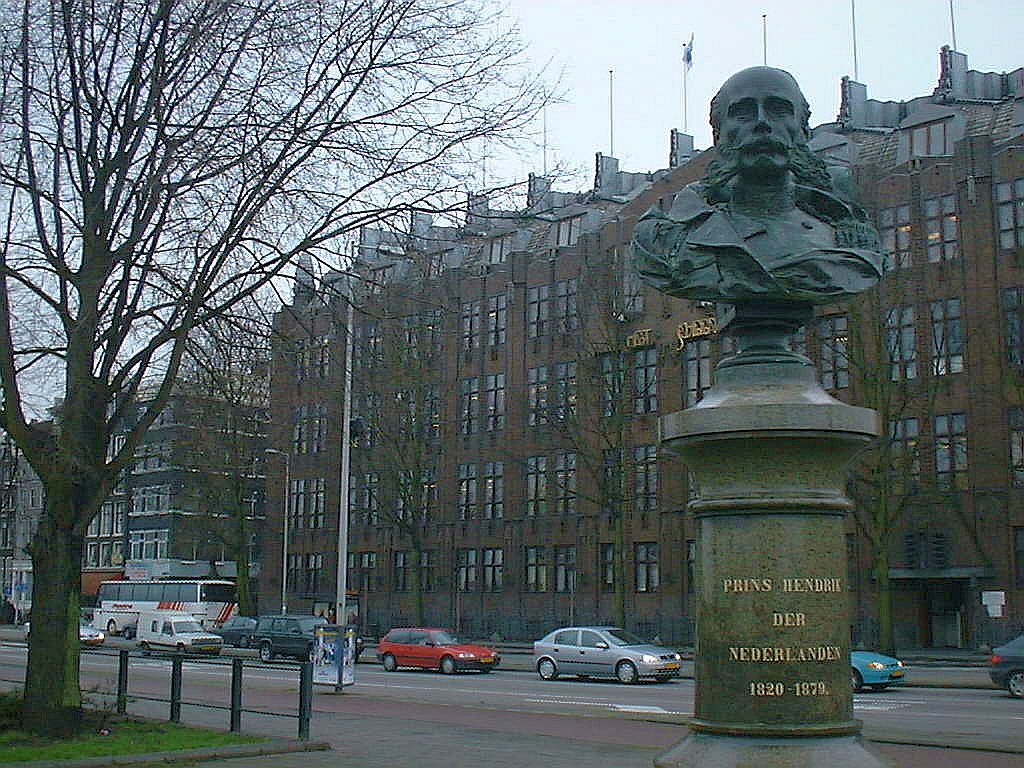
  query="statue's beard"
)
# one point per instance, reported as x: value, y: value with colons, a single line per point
x: 806, y: 167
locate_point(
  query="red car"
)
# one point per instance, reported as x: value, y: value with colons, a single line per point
x: 433, y: 649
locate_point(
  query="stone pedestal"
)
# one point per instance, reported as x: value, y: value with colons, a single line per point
x: 769, y: 450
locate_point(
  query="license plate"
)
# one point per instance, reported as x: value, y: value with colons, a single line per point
x: 897, y: 673
x: 488, y: 660
x: 672, y: 665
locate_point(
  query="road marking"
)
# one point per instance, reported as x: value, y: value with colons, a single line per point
x: 641, y: 709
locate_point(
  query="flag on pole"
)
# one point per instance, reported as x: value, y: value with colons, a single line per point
x: 688, y: 54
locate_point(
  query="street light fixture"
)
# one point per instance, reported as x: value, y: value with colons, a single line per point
x: 284, y: 537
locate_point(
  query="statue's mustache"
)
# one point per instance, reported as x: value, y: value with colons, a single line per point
x: 762, y: 144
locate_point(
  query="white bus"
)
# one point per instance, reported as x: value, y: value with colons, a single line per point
x: 119, y: 603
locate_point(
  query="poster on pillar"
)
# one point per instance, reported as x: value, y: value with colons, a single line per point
x: 328, y: 639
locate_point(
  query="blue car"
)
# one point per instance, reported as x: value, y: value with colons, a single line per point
x: 873, y: 670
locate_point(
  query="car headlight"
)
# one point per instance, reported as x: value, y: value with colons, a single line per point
x: 465, y: 655
x: 648, y: 659
x: 100, y: 637
x: 876, y: 665
x: 677, y: 657
x: 899, y: 664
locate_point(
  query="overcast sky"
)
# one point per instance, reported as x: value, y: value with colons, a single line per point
x: 898, y: 45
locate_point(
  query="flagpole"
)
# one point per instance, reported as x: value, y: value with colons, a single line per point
x: 686, y: 71
x: 853, y: 25
x: 611, y: 112
x: 764, y: 37
x: 952, y: 23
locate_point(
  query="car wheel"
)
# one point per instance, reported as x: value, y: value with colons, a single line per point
x: 547, y: 670
x: 448, y: 665
x: 111, y: 627
x: 390, y: 665
x: 626, y: 672
x: 266, y: 651
x: 856, y: 681
x: 1015, y: 684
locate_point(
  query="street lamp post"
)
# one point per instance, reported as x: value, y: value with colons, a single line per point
x: 284, y: 536
x: 341, y: 573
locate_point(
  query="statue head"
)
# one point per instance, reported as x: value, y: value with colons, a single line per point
x: 760, y: 122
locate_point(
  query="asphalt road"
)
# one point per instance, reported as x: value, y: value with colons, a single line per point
x: 963, y: 717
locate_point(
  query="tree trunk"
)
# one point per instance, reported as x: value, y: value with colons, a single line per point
x: 416, y: 586
x: 53, y: 701
x: 886, y: 635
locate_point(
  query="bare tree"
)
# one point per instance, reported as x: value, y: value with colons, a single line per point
x: 162, y: 160
x: 879, y: 348
x: 224, y: 386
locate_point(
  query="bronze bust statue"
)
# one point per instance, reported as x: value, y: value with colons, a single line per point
x: 770, y: 222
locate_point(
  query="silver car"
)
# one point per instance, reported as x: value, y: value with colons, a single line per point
x: 602, y: 652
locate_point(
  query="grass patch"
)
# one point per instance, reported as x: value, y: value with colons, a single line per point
x: 103, y: 734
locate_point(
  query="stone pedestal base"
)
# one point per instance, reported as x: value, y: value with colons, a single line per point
x: 703, y: 750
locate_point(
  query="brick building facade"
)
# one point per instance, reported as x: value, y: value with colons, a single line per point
x: 510, y: 373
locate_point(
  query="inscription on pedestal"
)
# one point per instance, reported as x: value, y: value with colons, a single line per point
x: 783, y: 620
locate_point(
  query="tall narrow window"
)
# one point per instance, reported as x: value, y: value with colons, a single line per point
x: 645, y: 380
x: 565, y: 482
x: 905, y: 456
x: 428, y: 566
x: 497, y: 319
x: 567, y: 231
x: 1013, y: 307
x: 645, y: 465
x: 465, y: 570
x: 494, y: 566
x: 951, y: 451
x: 1016, y: 419
x: 566, y: 318
x: 894, y: 229
x: 471, y: 325
x: 835, y: 365
x: 902, y: 343
x: 536, y: 485
x: 697, y: 359
x: 537, y: 311
x: 467, y: 491
x: 947, y: 337
x: 367, y: 568
x: 536, y: 570
x: 537, y: 395
x: 401, y: 575
x: 565, y: 569
x: 565, y: 390
x: 1010, y: 213
x: 941, y: 228
x: 611, y: 382
x: 494, y: 401
x: 494, y: 490
x: 646, y: 567
x: 469, y: 411
x: 606, y: 567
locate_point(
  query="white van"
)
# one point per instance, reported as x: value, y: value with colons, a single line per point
x: 175, y: 631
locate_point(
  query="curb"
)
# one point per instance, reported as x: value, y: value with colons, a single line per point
x: 226, y: 752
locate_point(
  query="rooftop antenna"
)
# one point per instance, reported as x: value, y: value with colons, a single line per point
x: 544, y: 163
x: 764, y: 37
x: 853, y: 25
x: 611, y: 112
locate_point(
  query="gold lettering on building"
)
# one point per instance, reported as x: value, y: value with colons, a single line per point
x: 693, y: 329
x: 641, y: 338
x: 772, y: 654
x: 812, y: 585
x: 730, y: 586
x: 789, y: 620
